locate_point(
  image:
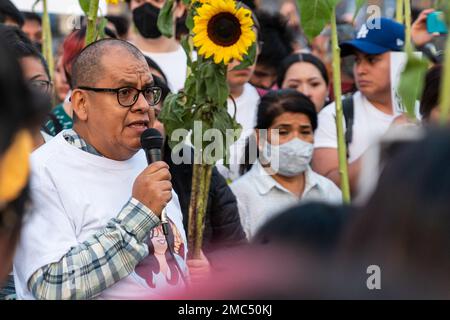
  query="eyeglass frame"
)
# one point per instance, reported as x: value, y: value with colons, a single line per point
x: 47, y: 82
x: 116, y: 91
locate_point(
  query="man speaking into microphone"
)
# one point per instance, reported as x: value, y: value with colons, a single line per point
x: 95, y: 228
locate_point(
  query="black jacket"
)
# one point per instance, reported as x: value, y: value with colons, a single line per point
x: 223, y: 227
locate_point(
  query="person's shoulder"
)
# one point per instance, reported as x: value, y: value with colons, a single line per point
x: 325, y: 184
x: 47, y: 151
x: 251, y: 92
x: 243, y: 183
x: 329, y: 109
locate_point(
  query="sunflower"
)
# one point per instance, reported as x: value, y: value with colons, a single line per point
x: 223, y: 30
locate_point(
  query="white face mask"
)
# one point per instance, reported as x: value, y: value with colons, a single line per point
x: 289, y: 159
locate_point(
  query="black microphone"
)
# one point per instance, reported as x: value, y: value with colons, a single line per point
x: 151, y: 142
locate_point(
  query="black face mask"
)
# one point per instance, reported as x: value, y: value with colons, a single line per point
x: 145, y: 19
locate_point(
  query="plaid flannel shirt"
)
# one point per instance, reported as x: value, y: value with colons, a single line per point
x: 105, y: 258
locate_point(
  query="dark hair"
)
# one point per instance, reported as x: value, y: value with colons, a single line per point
x: 277, y: 102
x: 121, y: 23
x: 277, y: 37
x: 32, y: 16
x: 314, y: 226
x: 430, y: 95
x: 8, y: 9
x: 301, y: 57
x: 21, y: 45
x: 405, y: 225
x: 153, y: 65
x: 17, y: 112
x: 249, y: 3
x: 160, y: 82
x: 272, y: 105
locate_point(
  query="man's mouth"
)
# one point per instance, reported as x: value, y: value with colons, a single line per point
x: 140, y: 124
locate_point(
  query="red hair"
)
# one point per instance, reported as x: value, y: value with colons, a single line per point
x: 72, y: 46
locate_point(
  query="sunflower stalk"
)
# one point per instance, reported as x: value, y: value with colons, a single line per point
x: 92, y: 21
x: 47, y: 50
x: 342, y: 148
x: 196, y: 173
x: 399, y: 11
x: 205, y: 182
x: 213, y: 33
x: 444, y: 99
x: 408, y: 40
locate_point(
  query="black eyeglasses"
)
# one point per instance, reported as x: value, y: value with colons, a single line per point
x: 127, y: 96
x: 42, y: 86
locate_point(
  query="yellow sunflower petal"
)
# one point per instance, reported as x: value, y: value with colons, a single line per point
x: 207, y: 46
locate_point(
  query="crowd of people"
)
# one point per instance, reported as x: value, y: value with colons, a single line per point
x: 86, y: 217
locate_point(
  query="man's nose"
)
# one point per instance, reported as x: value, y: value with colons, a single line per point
x: 141, y: 104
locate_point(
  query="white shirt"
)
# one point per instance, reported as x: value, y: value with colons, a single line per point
x: 174, y: 66
x: 75, y: 194
x: 260, y: 197
x: 369, y: 125
x: 246, y: 112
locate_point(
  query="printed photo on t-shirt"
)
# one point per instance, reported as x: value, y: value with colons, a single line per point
x: 159, y: 267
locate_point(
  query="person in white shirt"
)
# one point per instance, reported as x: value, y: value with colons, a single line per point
x: 94, y: 228
x: 166, y: 52
x: 372, y: 104
x: 281, y: 176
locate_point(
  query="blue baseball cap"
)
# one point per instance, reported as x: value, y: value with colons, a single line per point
x: 377, y: 36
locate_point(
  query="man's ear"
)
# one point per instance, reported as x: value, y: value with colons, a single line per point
x: 79, y: 104
x: 180, y: 9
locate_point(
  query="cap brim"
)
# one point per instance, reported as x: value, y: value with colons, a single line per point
x: 349, y: 47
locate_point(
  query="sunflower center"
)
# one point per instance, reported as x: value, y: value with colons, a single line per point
x: 224, y: 29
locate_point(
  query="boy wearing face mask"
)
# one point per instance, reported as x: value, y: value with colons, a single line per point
x: 166, y: 52
x: 281, y: 176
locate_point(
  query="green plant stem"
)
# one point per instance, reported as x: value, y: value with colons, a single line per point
x: 445, y: 92
x: 399, y: 11
x: 408, y: 41
x: 92, y: 21
x: 47, y: 50
x: 342, y: 149
x: 193, y: 207
x: 202, y: 204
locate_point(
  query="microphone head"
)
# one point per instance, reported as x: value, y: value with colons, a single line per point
x: 151, y: 139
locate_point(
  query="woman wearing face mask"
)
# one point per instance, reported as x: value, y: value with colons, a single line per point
x: 306, y: 74
x: 281, y: 175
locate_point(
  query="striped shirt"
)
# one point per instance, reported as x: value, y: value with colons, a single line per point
x: 102, y: 260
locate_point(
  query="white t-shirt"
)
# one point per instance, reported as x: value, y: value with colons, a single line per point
x: 174, y: 66
x: 246, y: 112
x: 369, y: 125
x: 75, y: 194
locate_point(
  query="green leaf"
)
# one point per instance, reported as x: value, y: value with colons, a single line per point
x: 190, y: 20
x: 101, y: 28
x: 165, y: 19
x: 315, y: 15
x: 84, y: 4
x: 174, y: 116
x: 187, y: 49
x: 359, y: 5
x: 411, y: 82
x: 249, y: 59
